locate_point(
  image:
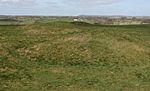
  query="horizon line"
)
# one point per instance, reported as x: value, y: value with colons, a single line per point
x: 73, y: 15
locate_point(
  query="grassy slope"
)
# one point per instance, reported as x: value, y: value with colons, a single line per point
x: 62, y: 56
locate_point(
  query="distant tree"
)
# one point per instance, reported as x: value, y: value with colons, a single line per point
x: 134, y: 18
x: 146, y: 21
x: 123, y: 18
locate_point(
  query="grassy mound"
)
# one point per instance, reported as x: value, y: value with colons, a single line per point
x: 74, y: 56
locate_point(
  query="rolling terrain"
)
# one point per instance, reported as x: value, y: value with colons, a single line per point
x: 74, y: 56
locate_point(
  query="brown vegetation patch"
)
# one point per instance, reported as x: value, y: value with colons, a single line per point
x: 68, y: 31
x: 77, y: 37
x: 3, y: 52
x: 128, y: 46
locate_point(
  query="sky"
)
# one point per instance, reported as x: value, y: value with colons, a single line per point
x: 75, y: 7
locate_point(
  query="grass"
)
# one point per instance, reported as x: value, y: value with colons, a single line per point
x: 64, y: 56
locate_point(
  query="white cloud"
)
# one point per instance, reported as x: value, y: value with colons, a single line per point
x: 17, y: 2
x: 89, y: 2
x: 81, y: 4
x: 56, y: 3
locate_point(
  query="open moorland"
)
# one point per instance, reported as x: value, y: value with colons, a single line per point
x: 74, y: 56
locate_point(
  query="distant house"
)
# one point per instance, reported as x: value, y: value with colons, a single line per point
x: 76, y: 19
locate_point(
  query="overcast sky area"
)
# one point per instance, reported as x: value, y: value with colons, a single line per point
x: 75, y: 7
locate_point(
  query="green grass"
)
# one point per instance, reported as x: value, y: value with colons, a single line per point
x: 74, y: 56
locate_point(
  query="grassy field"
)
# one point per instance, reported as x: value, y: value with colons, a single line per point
x: 74, y: 56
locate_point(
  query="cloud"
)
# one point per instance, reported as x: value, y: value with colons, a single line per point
x: 81, y: 4
x: 89, y: 2
x: 17, y: 2
x: 56, y: 4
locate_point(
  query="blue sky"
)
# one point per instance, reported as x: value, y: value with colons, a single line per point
x: 75, y: 7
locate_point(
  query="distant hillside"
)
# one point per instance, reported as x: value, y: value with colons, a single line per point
x: 102, y: 20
